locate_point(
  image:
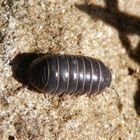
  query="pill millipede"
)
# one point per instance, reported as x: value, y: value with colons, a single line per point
x: 64, y: 74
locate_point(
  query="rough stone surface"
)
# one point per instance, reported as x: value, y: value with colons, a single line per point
x: 64, y: 27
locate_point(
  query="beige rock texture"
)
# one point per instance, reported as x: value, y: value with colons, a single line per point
x: 108, y: 30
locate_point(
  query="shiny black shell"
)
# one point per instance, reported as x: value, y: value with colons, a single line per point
x: 69, y: 74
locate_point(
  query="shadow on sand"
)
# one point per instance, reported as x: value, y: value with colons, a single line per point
x: 125, y: 24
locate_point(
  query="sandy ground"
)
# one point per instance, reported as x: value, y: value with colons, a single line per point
x: 109, y: 31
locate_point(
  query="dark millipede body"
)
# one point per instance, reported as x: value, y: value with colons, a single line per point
x: 69, y: 74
